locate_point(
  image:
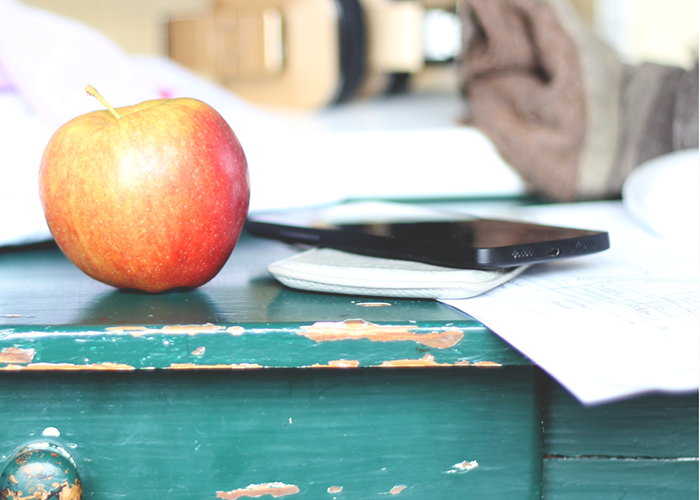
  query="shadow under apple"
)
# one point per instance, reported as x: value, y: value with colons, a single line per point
x: 121, y: 307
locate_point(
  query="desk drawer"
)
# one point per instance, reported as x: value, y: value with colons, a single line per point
x: 314, y: 433
x: 644, y: 448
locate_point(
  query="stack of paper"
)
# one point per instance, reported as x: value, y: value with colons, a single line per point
x: 609, y: 325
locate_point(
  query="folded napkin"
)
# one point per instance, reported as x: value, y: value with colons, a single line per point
x: 334, y: 271
x: 560, y: 106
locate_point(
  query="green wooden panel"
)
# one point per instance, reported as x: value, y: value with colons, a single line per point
x: 54, y: 314
x: 657, y: 426
x: 603, y: 479
x: 41, y: 287
x: 259, y: 347
x: 188, y: 435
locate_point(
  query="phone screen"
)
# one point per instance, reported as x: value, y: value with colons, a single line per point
x: 481, y: 233
x: 457, y: 240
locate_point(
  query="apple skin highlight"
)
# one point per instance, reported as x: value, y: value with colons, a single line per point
x: 153, y: 200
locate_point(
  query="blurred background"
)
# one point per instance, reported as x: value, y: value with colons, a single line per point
x: 291, y: 59
x: 663, y: 31
x: 658, y: 30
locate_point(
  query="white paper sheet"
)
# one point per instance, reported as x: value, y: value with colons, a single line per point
x: 609, y: 325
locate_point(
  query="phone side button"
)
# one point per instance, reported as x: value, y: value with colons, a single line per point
x: 299, y: 236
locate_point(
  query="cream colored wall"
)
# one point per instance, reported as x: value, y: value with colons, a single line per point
x: 136, y: 25
x: 641, y: 30
x: 664, y: 31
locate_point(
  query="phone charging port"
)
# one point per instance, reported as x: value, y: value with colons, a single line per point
x: 555, y: 252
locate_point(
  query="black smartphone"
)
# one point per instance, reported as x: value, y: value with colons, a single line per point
x: 443, y: 239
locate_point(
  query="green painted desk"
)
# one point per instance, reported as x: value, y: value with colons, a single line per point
x: 244, y: 388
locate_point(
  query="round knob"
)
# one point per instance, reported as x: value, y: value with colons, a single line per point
x: 41, y: 471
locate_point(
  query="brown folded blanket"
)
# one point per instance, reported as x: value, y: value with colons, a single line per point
x: 560, y: 106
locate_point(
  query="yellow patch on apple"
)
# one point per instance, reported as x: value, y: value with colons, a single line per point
x: 149, y: 197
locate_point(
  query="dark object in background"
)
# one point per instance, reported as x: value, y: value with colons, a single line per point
x: 313, y: 53
x: 560, y: 106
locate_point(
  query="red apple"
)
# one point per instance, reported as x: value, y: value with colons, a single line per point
x: 149, y: 197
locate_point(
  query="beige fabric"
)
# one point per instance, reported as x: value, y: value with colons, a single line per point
x: 558, y: 104
x: 520, y: 65
x: 333, y: 271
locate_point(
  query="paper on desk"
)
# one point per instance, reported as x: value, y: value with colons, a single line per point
x: 609, y: 325
x: 47, y: 60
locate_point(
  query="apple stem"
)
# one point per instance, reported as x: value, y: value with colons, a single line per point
x: 91, y: 90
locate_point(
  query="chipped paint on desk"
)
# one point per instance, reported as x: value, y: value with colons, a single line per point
x: 276, y: 490
x: 397, y: 489
x: 359, y: 329
x: 68, y: 367
x: 177, y: 329
x: 338, y: 363
x: 234, y: 366
x: 15, y: 355
x: 462, y: 467
x: 339, y: 344
x: 427, y: 360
